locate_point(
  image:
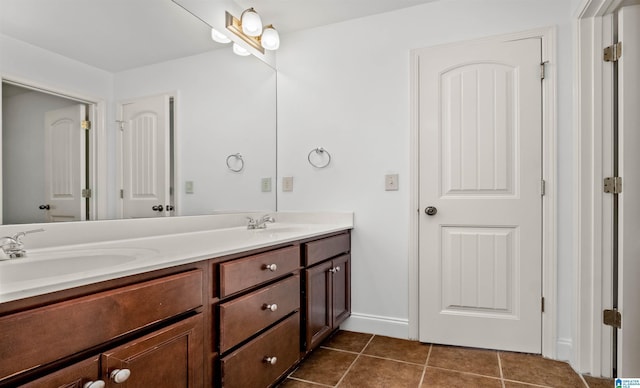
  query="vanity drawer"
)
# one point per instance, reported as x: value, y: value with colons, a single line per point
x: 237, y: 275
x: 320, y: 250
x: 247, y: 315
x: 42, y: 335
x: 248, y: 366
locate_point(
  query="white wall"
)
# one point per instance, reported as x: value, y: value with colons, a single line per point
x: 345, y: 87
x: 226, y: 104
x: 23, y: 148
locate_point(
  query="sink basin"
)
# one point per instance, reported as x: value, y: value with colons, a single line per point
x: 43, y: 264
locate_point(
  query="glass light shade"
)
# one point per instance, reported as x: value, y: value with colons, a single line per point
x: 251, y: 22
x: 239, y: 50
x: 270, y: 38
x: 219, y: 37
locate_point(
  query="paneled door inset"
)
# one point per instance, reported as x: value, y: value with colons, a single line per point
x: 146, y: 181
x: 65, y: 164
x: 480, y: 118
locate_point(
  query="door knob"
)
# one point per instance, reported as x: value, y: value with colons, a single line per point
x: 158, y: 208
x: 169, y: 208
x: 430, y: 210
x: 44, y: 207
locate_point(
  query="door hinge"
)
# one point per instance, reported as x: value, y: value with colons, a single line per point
x: 612, y: 318
x: 121, y: 194
x: 542, y: 69
x: 543, y: 187
x: 613, y: 185
x: 613, y: 52
x: 86, y: 124
x: 542, y: 304
x: 120, y: 124
x: 86, y: 193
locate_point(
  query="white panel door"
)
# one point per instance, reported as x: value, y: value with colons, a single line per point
x: 65, y: 164
x: 629, y: 199
x: 145, y: 157
x: 480, y: 168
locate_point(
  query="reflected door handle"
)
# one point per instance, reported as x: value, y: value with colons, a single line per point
x: 169, y: 208
x: 157, y: 208
x: 44, y: 207
x: 430, y: 210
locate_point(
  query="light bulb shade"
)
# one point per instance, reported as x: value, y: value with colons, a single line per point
x: 219, y: 37
x: 239, y: 50
x: 270, y: 38
x: 251, y: 22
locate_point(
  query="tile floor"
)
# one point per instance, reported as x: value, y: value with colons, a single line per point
x: 350, y: 359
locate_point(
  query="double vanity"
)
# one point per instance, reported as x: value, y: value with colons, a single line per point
x: 185, y: 302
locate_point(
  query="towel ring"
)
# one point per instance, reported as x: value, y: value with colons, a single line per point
x: 320, y: 151
x: 238, y: 159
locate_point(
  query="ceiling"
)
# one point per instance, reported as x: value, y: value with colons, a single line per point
x: 116, y: 35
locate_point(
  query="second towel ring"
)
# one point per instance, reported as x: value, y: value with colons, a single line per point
x: 239, y: 160
x: 320, y: 151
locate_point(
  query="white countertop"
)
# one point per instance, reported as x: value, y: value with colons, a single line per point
x: 55, y: 267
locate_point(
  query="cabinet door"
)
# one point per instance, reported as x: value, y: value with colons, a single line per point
x: 318, y: 306
x: 75, y: 376
x: 169, y: 357
x: 341, y: 297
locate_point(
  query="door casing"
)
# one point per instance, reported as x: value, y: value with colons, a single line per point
x: 549, y: 123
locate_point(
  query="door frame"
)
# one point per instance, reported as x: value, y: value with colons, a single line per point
x: 592, y: 211
x: 177, y: 194
x: 549, y: 168
x: 98, y: 143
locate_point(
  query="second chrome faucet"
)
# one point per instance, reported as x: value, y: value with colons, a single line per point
x: 260, y: 223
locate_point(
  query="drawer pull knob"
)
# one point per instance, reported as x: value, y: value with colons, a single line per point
x: 120, y: 375
x: 270, y: 267
x: 271, y: 360
x: 334, y: 269
x: 271, y: 307
x: 94, y: 384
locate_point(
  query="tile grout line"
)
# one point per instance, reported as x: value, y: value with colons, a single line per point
x: 584, y: 380
x: 500, y: 368
x: 309, y: 382
x: 424, y: 369
x: 354, y: 361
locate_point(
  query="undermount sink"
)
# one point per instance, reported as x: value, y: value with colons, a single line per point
x: 43, y: 264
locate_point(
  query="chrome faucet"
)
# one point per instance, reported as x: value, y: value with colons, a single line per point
x: 13, y: 247
x: 260, y: 223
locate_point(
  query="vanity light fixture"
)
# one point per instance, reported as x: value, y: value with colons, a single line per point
x: 251, y: 22
x: 239, y: 50
x: 219, y: 37
x: 249, y: 28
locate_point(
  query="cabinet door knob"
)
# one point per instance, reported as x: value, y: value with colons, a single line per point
x: 338, y: 269
x: 120, y: 375
x: 94, y: 384
x: 271, y: 307
x: 44, y: 207
x: 334, y: 269
x: 270, y: 267
x: 271, y: 360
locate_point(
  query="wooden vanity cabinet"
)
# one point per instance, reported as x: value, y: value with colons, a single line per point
x: 78, y: 375
x: 327, y: 287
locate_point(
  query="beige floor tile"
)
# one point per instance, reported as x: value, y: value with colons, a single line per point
x: 479, y: 361
x: 291, y: 383
x: 594, y: 382
x: 397, y: 349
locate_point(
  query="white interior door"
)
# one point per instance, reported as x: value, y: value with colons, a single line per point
x: 629, y: 199
x: 145, y: 157
x: 480, y: 153
x: 65, y: 164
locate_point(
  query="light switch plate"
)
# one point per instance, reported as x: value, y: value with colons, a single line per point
x: 287, y: 183
x: 391, y: 182
x: 266, y: 185
x: 188, y: 187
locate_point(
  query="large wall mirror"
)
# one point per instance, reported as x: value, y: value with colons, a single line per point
x: 218, y: 110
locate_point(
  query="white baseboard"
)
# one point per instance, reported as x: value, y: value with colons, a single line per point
x: 375, y: 324
x: 564, y: 350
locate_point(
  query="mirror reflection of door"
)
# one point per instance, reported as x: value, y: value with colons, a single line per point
x: 146, y: 128
x: 44, y: 157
